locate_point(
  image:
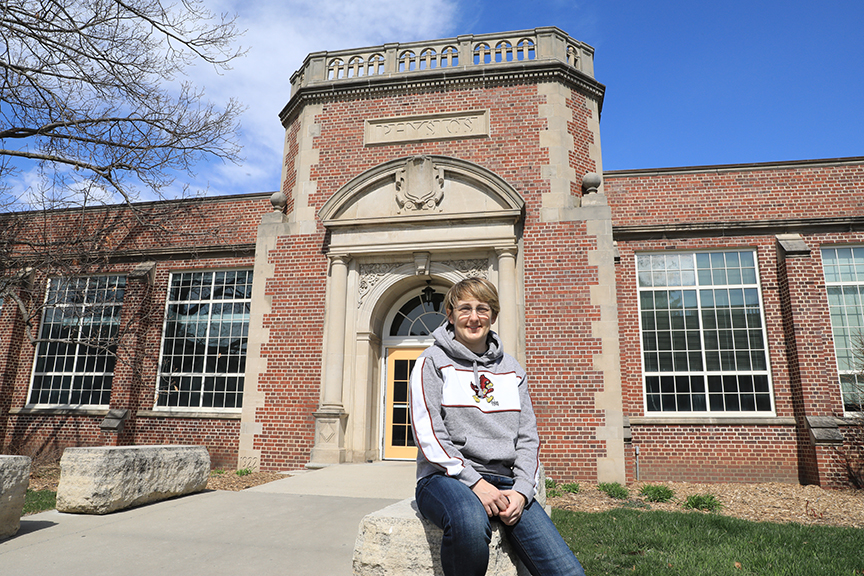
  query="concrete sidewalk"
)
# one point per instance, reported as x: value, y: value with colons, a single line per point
x: 303, y: 525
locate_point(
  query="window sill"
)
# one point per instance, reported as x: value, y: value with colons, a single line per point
x: 47, y: 411
x: 198, y: 414
x: 712, y: 421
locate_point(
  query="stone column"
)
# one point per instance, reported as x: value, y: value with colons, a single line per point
x: 330, y: 417
x: 334, y: 350
x: 508, y: 322
x: 273, y: 225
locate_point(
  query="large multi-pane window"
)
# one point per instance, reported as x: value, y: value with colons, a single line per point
x: 703, y: 335
x: 204, y: 341
x: 844, y: 281
x: 77, y: 346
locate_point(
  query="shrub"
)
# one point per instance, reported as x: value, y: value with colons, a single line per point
x: 707, y: 502
x: 614, y: 490
x: 657, y: 493
x: 853, y: 451
x: 570, y: 487
x: 243, y: 472
x: 552, y: 488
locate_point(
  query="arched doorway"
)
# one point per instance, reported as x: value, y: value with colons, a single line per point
x: 382, y: 249
x: 409, y: 326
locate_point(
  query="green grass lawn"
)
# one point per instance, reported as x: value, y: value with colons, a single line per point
x: 39, y: 501
x: 648, y: 543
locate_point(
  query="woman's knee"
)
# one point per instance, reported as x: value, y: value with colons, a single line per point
x: 453, y: 507
x: 470, y: 522
x: 465, y: 521
x: 468, y: 536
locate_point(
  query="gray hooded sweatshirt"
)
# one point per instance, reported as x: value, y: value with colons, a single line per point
x: 472, y: 414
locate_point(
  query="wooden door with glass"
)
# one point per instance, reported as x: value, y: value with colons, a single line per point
x: 409, y: 334
x: 398, y: 436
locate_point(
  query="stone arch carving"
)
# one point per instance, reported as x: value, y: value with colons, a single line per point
x: 381, y: 298
x: 429, y: 185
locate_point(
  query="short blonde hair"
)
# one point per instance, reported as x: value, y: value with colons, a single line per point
x: 479, y: 289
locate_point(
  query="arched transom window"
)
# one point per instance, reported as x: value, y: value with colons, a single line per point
x: 420, y: 315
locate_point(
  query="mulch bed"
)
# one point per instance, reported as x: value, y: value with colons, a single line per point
x: 770, y: 502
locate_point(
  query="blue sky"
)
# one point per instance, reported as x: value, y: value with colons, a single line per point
x: 694, y: 83
x: 687, y: 82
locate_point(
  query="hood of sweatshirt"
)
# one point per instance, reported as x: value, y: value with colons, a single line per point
x: 445, y: 338
x: 457, y: 436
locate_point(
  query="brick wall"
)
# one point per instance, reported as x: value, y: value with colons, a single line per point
x: 716, y: 453
x: 560, y: 348
x: 291, y: 385
x: 190, y: 231
x: 559, y: 360
x: 690, y: 211
x: 720, y: 194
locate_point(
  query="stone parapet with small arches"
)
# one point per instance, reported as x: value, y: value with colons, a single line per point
x: 462, y: 52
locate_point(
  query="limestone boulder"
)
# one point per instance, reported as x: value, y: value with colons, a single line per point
x: 105, y: 479
x: 398, y: 541
x: 14, y: 480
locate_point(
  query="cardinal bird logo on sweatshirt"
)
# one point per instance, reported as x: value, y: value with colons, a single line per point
x: 484, y: 391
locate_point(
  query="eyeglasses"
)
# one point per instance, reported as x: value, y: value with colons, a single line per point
x: 481, y: 311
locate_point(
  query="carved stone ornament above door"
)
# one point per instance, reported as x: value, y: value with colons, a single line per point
x: 422, y: 204
x: 419, y: 185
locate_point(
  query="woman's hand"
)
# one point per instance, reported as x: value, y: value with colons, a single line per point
x: 513, y: 512
x: 493, y: 500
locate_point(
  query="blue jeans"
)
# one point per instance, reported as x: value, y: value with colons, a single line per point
x: 453, y: 507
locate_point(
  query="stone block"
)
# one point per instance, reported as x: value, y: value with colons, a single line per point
x: 14, y: 479
x: 398, y: 541
x: 105, y: 479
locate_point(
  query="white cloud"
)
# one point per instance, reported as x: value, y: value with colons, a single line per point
x: 61, y: 187
x: 279, y: 35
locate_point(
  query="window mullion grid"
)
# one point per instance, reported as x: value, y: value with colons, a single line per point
x: 82, y: 313
x: 63, y: 310
x: 848, y: 319
x: 191, y: 374
x: 699, y: 312
x: 206, y: 341
x: 161, y: 374
x: 707, y: 373
x: 642, y: 335
x: 75, y: 335
x: 42, y: 351
x: 76, y: 355
x: 204, y: 372
x: 732, y: 348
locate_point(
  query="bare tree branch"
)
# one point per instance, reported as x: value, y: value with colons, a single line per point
x: 94, y: 115
x: 90, y: 85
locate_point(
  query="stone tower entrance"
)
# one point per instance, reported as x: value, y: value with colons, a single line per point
x: 412, y: 166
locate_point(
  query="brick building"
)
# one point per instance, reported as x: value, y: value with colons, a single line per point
x: 676, y: 324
